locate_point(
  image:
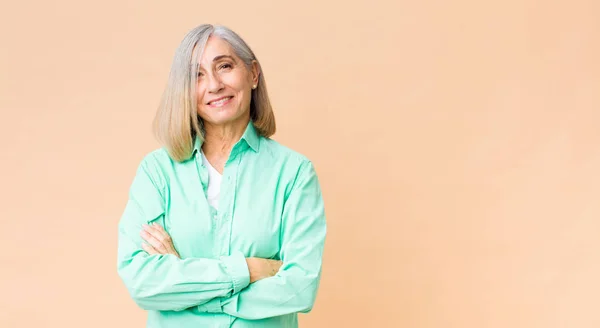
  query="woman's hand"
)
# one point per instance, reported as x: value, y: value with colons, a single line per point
x: 262, y: 268
x: 157, y: 240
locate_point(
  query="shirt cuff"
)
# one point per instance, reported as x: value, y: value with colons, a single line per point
x: 237, y: 268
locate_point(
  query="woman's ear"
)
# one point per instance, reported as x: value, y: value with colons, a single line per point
x: 255, y: 72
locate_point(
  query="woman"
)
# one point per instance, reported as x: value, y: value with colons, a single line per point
x: 224, y: 227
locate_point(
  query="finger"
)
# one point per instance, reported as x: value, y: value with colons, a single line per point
x: 149, y: 249
x: 156, y: 231
x: 153, y: 241
x: 160, y: 234
x: 276, y: 264
x: 158, y: 227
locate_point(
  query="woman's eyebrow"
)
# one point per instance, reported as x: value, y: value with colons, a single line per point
x: 217, y: 58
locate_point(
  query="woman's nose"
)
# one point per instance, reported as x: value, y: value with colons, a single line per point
x: 214, y: 83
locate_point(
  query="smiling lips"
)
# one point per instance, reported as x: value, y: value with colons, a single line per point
x: 220, y: 102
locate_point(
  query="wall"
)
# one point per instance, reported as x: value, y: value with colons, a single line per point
x: 456, y: 141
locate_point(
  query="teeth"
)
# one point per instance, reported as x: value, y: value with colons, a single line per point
x: 220, y: 102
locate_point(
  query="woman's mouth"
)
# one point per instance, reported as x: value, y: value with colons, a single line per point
x: 220, y: 102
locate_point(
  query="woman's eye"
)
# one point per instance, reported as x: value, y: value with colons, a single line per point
x: 225, y: 66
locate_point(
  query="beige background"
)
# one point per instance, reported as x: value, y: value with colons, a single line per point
x: 457, y: 143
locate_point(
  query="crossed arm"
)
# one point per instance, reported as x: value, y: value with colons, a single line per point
x: 157, y: 279
x: 158, y: 242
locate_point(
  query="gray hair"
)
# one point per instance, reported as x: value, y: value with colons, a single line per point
x: 176, y: 122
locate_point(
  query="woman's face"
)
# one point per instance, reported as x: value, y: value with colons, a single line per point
x: 224, y: 84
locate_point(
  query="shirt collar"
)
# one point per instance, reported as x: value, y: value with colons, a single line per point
x: 250, y: 136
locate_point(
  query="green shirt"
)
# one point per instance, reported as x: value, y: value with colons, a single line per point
x: 270, y: 206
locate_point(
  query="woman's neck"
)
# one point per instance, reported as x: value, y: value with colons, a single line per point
x: 220, y: 139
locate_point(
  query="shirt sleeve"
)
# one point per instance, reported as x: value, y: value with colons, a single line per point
x: 165, y: 282
x: 294, y: 288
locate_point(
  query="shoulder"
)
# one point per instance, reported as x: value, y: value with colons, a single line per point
x: 297, y: 171
x: 155, y: 159
x: 284, y: 153
x: 157, y: 156
x: 154, y: 164
x: 295, y: 164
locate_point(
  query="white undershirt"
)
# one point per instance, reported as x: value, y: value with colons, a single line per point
x: 214, y: 183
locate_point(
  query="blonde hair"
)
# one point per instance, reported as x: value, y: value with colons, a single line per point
x: 176, y: 123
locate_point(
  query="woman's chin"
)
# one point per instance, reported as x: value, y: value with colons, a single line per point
x: 224, y: 115
x: 223, y: 119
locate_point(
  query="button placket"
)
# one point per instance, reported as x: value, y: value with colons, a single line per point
x: 234, y: 173
x: 221, y: 224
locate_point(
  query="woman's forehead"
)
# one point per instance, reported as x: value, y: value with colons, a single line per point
x: 216, y: 49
